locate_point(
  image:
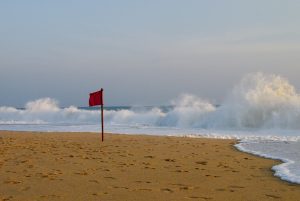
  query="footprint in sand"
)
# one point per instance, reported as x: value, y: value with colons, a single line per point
x: 167, y: 190
x: 109, y: 178
x: 145, y: 189
x: 202, y: 198
x: 148, y: 156
x: 185, y: 188
x: 147, y: 182
x: 201, y: 162
x: 99, y: 193
x: 220, y: 189
x: 273, y: 196
x: 120, y: 187
x: 94, y: 181
x: 12, y: 182
x: 236, y: 186
x: 181, y: 171
x: 81, y: 173
x: 170, y: 160
x: 7, y: 198
x: 50, y: 196
x: 25, y: 188
x: 30, y: 166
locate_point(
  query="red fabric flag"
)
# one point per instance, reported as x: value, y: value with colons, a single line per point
x: 96, y: 98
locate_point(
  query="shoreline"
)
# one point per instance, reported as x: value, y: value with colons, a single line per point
x: 133, y: 167
x: 276, y: 168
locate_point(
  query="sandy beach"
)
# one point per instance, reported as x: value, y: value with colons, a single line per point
x: 78, y: 166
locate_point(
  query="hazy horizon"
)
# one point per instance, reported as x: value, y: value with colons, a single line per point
x: 142, y: 53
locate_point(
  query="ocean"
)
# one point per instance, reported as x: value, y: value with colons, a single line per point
x: 262, y: 112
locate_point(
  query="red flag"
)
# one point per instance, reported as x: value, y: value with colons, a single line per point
x: 96, y: 98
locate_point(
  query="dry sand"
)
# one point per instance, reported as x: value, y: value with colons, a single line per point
x: 77, y: 166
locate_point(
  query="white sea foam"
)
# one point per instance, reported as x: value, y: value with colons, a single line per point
x: 286, y: 151
x: 46, y: 111
x: 258, y: 102
x: 42, y: 105
x: 262, y: 107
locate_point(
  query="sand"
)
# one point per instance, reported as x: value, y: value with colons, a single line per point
x: 78, y: 166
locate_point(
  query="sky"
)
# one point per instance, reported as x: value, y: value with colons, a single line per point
x: 142, y: 52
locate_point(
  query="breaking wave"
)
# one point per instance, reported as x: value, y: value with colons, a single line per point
x: 46, y: 111
x: 259, y: 101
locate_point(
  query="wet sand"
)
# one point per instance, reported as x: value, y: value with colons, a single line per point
x: 78, y: 166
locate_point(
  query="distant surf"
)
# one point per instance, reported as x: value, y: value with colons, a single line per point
x: 262, y: 110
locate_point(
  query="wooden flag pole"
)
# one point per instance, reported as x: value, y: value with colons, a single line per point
x: 102, y: 121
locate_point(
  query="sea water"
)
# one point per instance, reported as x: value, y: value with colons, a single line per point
x: 262, y: 111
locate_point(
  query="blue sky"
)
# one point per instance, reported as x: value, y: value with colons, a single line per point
x: 142, y: 52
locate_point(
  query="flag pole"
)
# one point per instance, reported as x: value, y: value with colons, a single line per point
x: 102, y: 121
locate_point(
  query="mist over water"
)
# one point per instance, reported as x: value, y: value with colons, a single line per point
x: 261, y: 107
